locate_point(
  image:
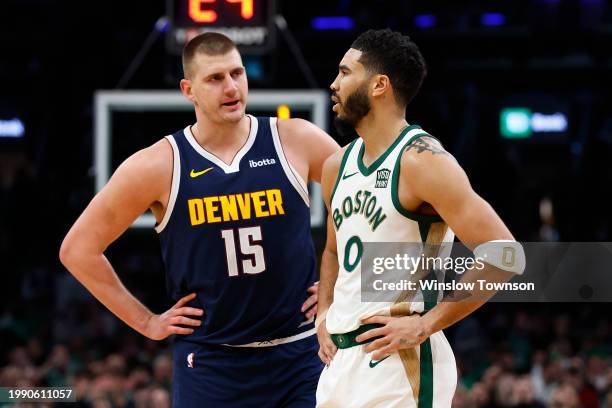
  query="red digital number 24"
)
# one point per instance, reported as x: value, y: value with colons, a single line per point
x: 210, y: 16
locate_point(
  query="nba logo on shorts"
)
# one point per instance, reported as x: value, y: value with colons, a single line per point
x: 382, y: 178
x: 190, y: 360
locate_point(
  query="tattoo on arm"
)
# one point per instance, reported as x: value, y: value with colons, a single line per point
x: 421, y: 145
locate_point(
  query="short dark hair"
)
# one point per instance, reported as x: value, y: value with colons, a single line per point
x: 395, y: 55
x: 208, y: 43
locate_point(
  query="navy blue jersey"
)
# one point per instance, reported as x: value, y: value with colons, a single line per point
x: 238, y: 236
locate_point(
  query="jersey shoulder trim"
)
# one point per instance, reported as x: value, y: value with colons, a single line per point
x: 347, y: 152
x: 292, y: 175
x: 176, y: 181
x: 395, y: 183
x: 367, y: 170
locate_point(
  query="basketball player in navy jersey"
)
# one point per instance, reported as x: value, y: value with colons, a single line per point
x: 230, y: 199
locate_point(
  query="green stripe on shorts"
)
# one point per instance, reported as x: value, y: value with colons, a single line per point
x: 426, y: 386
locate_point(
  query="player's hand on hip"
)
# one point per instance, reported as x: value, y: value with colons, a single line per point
x: 163, y: 325
x: 397, y: 333
x: 327, y: 348
x: 309, y: 308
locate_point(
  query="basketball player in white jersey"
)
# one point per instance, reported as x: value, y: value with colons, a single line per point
x: 394, y: 183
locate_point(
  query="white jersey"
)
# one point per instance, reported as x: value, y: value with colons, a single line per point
x: 365, y: 208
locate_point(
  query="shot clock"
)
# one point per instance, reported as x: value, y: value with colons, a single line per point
x: 249, y: 23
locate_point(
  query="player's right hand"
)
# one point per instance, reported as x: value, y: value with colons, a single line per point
x: 163, y: 325
x: 327, y: 348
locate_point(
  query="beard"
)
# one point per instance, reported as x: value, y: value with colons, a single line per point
x: 356, y: 106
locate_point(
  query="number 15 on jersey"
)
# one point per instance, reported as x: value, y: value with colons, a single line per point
x: 249, y: 250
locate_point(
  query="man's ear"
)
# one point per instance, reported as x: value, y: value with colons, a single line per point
x: 186, y: 89
x: 380, y: 85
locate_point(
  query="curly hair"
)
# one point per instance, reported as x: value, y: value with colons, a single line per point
x: 395, y: 55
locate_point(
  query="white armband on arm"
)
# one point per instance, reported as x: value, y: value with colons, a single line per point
x: 503, y: 254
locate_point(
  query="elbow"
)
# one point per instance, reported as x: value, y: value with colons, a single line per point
x: 68, y: 253
x: 65, y: 252
x: 77, y: 253
x: 330, y: 252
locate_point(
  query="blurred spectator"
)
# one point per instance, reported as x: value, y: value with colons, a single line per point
x: 503, y: 390
x: 523, y: 394
x: 597, y: 372
x: 548, y: 228
x: 461, y: 399
x: 160, y: 398
x: 574, y: 377
x: 480, y: 396
x: 564, y: 396
x: 57, y: 368
x: 162, y: 370
x: 545, y: 379
x: 608, y: 400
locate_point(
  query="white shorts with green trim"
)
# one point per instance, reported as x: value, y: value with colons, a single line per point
x: 423, y: 377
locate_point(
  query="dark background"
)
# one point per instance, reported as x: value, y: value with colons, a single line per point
x: 551, y: 53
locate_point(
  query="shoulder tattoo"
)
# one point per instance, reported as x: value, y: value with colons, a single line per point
x: 426, y: 145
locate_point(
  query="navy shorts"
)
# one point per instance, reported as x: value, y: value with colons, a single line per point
x: 219, y: 376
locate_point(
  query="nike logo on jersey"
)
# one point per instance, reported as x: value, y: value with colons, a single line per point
x: 345, y: 176
x: 375, y: 363
x: 191, y: 360
x: 195, y: 174
x: 262, y: 162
